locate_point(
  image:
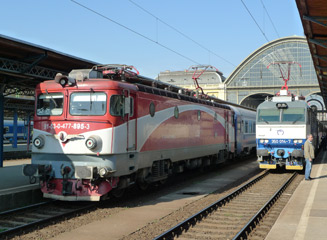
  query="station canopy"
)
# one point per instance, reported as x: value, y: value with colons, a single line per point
x: 23, y: 65
x: 313, y: 14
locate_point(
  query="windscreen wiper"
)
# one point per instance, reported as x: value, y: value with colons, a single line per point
x: 52, y: 99
x: 91, y: 102
x: 264, y: 120
x: 297, y: 119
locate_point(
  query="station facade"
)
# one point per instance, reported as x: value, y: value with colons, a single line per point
x: 211, y: 81
x: 252, y: 81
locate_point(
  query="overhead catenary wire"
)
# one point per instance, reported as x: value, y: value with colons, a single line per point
x: 181, y: 33
x: 272, y: 23
x: 133, y: 31
x: 255, y: 21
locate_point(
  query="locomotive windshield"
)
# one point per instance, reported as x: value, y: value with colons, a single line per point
x: 268, y: 115
x: 293, y: 115
x: 50, y: 104
x: 289, y: 115
x: 88, y: 104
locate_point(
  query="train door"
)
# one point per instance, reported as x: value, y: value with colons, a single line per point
x: 239, y: 134
x: 227, y: 130
x: 130, y: 121
x: 235, y: 132
x: 232, y: 134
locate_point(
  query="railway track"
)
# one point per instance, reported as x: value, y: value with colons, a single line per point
x: 17, y: 220
x: 236, y: 215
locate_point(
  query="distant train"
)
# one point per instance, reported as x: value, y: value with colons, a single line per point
x: 97, y: 131
x: 8, y: 130
x: 283, y: 123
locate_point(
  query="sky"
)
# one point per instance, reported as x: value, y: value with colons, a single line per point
x: 152, y: 35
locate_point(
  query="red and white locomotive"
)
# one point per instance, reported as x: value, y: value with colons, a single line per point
x: 100, y: 130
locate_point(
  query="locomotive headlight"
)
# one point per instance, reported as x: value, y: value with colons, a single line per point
x: 63, y: 81
x: 300, y: 141
x: 261, y: 141
x: 38, y: 142
x: 295, y: 141
x: 103, y: 172
x: 281, y: 105
x: 266, y: 140
x: 91, y: 143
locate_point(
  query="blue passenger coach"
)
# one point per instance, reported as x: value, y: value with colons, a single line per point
x: 283, y: 122
x: 8, y: 131
x: 244, y: 122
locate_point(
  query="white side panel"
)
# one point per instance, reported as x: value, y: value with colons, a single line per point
x: 74, y: 146
x: 281, y: 132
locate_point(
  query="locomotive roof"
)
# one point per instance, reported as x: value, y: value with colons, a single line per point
x: 96, y: 84
x: 121, y: 76
x: 295, y: 103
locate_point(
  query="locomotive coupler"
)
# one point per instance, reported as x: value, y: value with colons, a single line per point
x: 67, y: 187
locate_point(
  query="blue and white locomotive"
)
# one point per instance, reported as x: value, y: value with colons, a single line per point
x: 283, y: 122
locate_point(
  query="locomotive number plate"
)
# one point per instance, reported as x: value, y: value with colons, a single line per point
x: 68, y: 126
x: 281, y: 141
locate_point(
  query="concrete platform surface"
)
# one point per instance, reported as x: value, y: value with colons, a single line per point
x: 305, y: 215
x: 20, y: 147
x: 12, y: 176
x: 15, y: 188
x: 130, y: 220
x: 7, y: 163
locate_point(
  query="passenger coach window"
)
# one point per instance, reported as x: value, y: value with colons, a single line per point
x: 246, y: 126
x: 50, y: 104
x: 88, y: 104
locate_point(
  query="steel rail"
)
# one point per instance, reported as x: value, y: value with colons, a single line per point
x: 12, y: 230
x: 191, y: 221
x: 246, y: 230
x: 26, y: 207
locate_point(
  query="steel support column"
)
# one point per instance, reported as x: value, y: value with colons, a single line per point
x: 15, y: 130
x: 1, y: 124
x: 28, y: 132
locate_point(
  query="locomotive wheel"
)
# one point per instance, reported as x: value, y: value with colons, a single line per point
x: 118, y: 193
x: 162, y: 182
x: 143, y: 185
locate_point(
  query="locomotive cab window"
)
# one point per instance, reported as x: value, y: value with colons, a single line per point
x: 268, y: 115
x: 294, y: 115
x: 88, y: 104
x: 117, y: 105
x: 50, y: 104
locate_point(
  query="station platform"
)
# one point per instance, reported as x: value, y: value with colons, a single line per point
x: 305, y: 215
x: 7, y: 163
x: 16, y: 189
x: 9, y: 152
x: 20, y: 147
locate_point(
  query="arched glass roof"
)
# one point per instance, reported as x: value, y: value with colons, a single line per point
x: 253, y: 71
